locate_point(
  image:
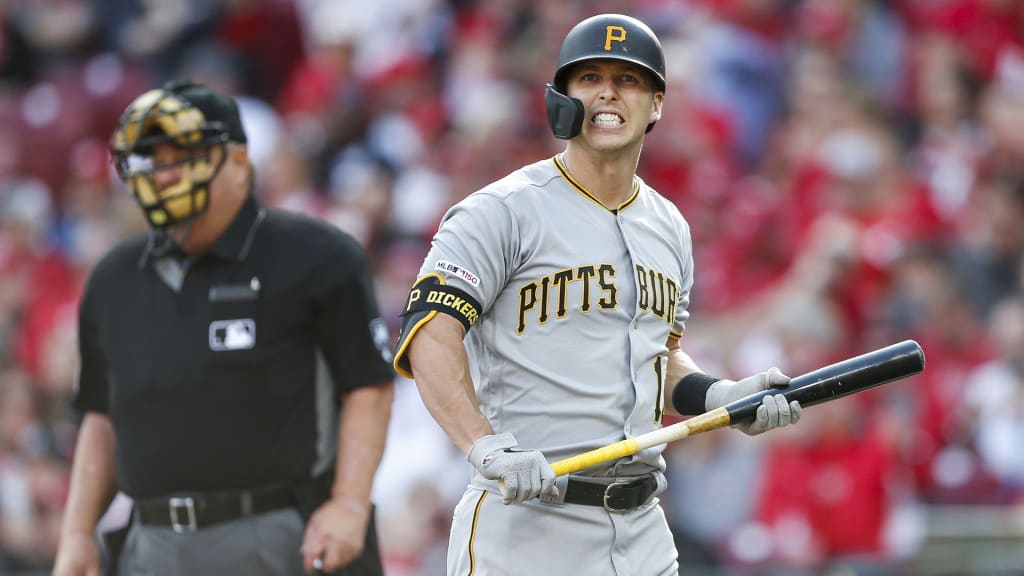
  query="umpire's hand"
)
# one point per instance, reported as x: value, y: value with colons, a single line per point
x: 774, y: 411
x: 335, y: 535
x: 524, y: 474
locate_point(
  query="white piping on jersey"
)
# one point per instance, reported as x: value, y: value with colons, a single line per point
x: 564, y: 170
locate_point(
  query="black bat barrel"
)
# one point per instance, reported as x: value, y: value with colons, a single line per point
x: 840, y: 379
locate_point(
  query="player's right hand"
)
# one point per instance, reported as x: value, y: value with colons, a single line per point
x: 524, y: 474
x: 774, y: 411
x: 78, y: 555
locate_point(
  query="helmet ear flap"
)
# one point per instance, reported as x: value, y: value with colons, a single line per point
x: 565, y: 114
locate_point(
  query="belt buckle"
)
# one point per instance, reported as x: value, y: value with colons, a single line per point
x: 189, y: 505
x: 608, y: 494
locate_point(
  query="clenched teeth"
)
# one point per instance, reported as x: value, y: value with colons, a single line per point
x: 608, y: 119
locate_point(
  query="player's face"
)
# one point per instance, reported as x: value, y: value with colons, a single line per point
x: 619, y: 99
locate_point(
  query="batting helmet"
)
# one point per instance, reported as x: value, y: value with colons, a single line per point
x: 607, y: 36
x: 192, y: 117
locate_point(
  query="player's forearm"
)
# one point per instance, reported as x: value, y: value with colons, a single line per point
x: 680, y: 364
x: 362, y: 431
x: 93, y: 484
x: 439, y: 364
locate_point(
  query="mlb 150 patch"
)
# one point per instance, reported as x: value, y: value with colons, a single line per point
x: 457, y: 270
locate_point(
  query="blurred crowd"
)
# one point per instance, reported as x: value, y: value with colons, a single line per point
x: 853, y: 172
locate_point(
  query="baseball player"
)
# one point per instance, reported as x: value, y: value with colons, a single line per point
x: 545, y: 322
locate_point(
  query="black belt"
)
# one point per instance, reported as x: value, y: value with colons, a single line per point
x: 617, y: 496
x: 190, y: 512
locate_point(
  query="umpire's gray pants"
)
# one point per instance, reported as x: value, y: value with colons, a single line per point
x: 262, y: 545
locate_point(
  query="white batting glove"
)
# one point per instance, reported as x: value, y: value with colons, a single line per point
x: 774, y: 411
x: 525, y: 474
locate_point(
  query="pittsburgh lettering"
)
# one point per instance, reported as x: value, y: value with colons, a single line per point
x: 592, y: 286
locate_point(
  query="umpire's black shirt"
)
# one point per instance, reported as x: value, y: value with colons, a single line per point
x: 210, y: 369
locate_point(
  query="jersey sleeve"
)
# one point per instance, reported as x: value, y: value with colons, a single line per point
x: 475, y: 248
x: 470, y: 259
x: 91, y: 384
x: 350, y: 332
x: 686, y: 260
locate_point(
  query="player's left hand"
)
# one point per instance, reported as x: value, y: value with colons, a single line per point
x: 774, y: 411
x: 335, y: 535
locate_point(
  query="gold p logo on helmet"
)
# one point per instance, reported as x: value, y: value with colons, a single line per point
x: 613, y: 34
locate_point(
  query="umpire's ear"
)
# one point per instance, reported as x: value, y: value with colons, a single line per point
x: 241, y: 172
x: 238, y: 154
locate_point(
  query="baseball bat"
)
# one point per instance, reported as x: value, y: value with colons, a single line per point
x: 828, y: 383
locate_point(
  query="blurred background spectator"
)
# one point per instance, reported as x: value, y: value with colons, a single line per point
x: 853, y: 171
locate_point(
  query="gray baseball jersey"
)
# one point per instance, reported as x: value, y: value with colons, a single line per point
x: 577, y: 302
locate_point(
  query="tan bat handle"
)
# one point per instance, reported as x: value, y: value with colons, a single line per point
x: 717, y: 418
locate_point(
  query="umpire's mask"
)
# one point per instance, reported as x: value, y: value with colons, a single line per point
x: 192, y: 117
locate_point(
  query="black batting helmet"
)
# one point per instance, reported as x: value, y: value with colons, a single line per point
x: 613, y: 36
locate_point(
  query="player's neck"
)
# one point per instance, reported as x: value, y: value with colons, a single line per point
x: 609, y: 180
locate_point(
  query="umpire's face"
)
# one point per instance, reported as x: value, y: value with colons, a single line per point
x: 226, y: 191
x: 620, y: 100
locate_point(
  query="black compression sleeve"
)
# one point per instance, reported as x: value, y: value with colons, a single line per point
x: 690, y: 392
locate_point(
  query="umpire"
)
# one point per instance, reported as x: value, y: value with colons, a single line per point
x: 235, y: 377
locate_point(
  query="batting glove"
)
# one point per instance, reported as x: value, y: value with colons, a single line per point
x: 524, y: 474
x: 774, y: 411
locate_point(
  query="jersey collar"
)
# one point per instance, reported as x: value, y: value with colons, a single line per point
x: 233, y: 244
x: 579, y: 187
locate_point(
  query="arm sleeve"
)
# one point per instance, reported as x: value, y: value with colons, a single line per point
x: 350, y: 332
